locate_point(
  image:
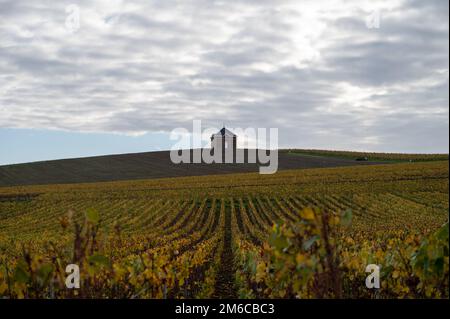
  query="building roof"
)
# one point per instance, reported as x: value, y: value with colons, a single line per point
x: 224, y: 132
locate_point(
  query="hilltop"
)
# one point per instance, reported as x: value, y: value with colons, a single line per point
x: 148, y: 165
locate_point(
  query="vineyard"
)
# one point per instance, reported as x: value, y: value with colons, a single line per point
x: 295, y: 234
x: 372, y: 156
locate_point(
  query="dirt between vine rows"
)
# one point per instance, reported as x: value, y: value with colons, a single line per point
x: 224, y: 287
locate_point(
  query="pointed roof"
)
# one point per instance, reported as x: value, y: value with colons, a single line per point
x: 224, y: 132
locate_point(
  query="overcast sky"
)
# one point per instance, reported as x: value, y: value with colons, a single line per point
x: 327, y: 74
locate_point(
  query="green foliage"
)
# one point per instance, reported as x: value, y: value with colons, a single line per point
x: 314, y: 258
x: 430, y: 261
x: 99, y: 261
x: 165, y: 238
x: 92, y: 215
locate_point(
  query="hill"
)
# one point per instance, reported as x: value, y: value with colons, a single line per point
x: 385, y: 157
x: 147, y: 165
x: 225, y: 236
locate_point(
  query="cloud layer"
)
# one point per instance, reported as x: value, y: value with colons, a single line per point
x: 311, y: 68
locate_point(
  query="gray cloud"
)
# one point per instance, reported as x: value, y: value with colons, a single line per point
x: 312, y: 69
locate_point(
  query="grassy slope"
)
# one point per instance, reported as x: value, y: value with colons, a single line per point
x: 158, y: 165
x: 372, y: 156
x: 355, y: 179
x: 140, y: 166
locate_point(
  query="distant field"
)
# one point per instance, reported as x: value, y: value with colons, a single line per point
x: 214, y: 236
x: 371, y: 156
x: 141, y: 166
